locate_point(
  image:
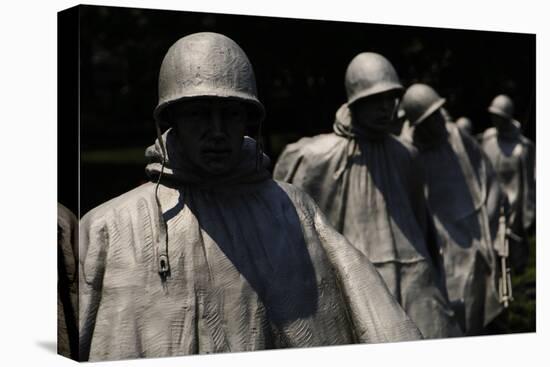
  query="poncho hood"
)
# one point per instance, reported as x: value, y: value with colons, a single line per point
x: 511, y: 132
x: 177, y: 171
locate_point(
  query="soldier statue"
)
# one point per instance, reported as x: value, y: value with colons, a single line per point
x: 212, y: 255
x: 464, y: 196
x: 370, y: 185
x: 513, y: 158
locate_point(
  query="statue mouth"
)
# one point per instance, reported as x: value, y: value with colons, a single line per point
x: 216, y: 153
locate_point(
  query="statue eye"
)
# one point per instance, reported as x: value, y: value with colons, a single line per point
x: 234, y: 113
x: 196, y: 113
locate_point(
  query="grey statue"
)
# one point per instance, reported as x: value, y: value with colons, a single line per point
x: 398, y: 123
x: 513, y: 157
x: 464, y: 197
x: 67, y: 282
x: 465, y: 125
x: 212, y: 255
x: 370, y: 185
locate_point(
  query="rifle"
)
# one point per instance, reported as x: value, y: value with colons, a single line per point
x: 505, y: 280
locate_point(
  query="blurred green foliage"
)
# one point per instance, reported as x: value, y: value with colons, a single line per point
x: 115, y: 156
x: 522, y: 314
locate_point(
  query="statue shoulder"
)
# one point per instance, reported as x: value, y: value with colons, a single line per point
x: 315, y: 145
x: 128, y: 199
x: 403, y: 148
x: 490, y: 133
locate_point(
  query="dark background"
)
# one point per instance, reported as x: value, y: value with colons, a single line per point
x: 299, y: 66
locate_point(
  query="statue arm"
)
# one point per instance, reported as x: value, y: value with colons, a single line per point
x: 287, y: 164
x: 375, y: 314
x: 93, y: 243
x: 530, y: 186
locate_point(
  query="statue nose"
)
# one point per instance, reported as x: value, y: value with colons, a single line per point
x: 216, y: 122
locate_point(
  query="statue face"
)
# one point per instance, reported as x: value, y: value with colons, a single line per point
x: 210, y: 132
x: 499, y: 122
x: 431, y: 130
x: 376, y: 112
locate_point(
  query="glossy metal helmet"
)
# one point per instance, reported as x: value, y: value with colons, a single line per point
x: 206, y: 65
x: 370, y: 73
x: 420, y: 101
x: 503, y: 106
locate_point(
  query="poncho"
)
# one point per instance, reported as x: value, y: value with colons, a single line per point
x: 513, y: 158
x: 253, y: 265
x: 67, y: 282
x: 464, y: 197
x: 372, y: 191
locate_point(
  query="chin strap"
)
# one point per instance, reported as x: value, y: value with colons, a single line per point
x: 162, y: 244
x: 259, y: 147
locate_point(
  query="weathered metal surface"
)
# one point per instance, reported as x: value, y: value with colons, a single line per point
x: 206, y: 65
x: 465, y: 125
x: 513, y: 158
x: 419, y: 102
x: 232, y: 261
x: 503, y: 106
x: 67, y: 282
x: 370, y: 73
x: 464, y: 197
x: 372, y: 192
x: 254, y: 265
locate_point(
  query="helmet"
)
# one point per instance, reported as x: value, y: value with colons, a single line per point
x: 503, y: 106
x: 420, y: 101
x: 370, y: 73
x: 206, y: 65
x: 401, y: 115
x: 464, y: 124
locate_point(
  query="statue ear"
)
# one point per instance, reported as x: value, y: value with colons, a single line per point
x: 167, y: 117
x: 253, y: 116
